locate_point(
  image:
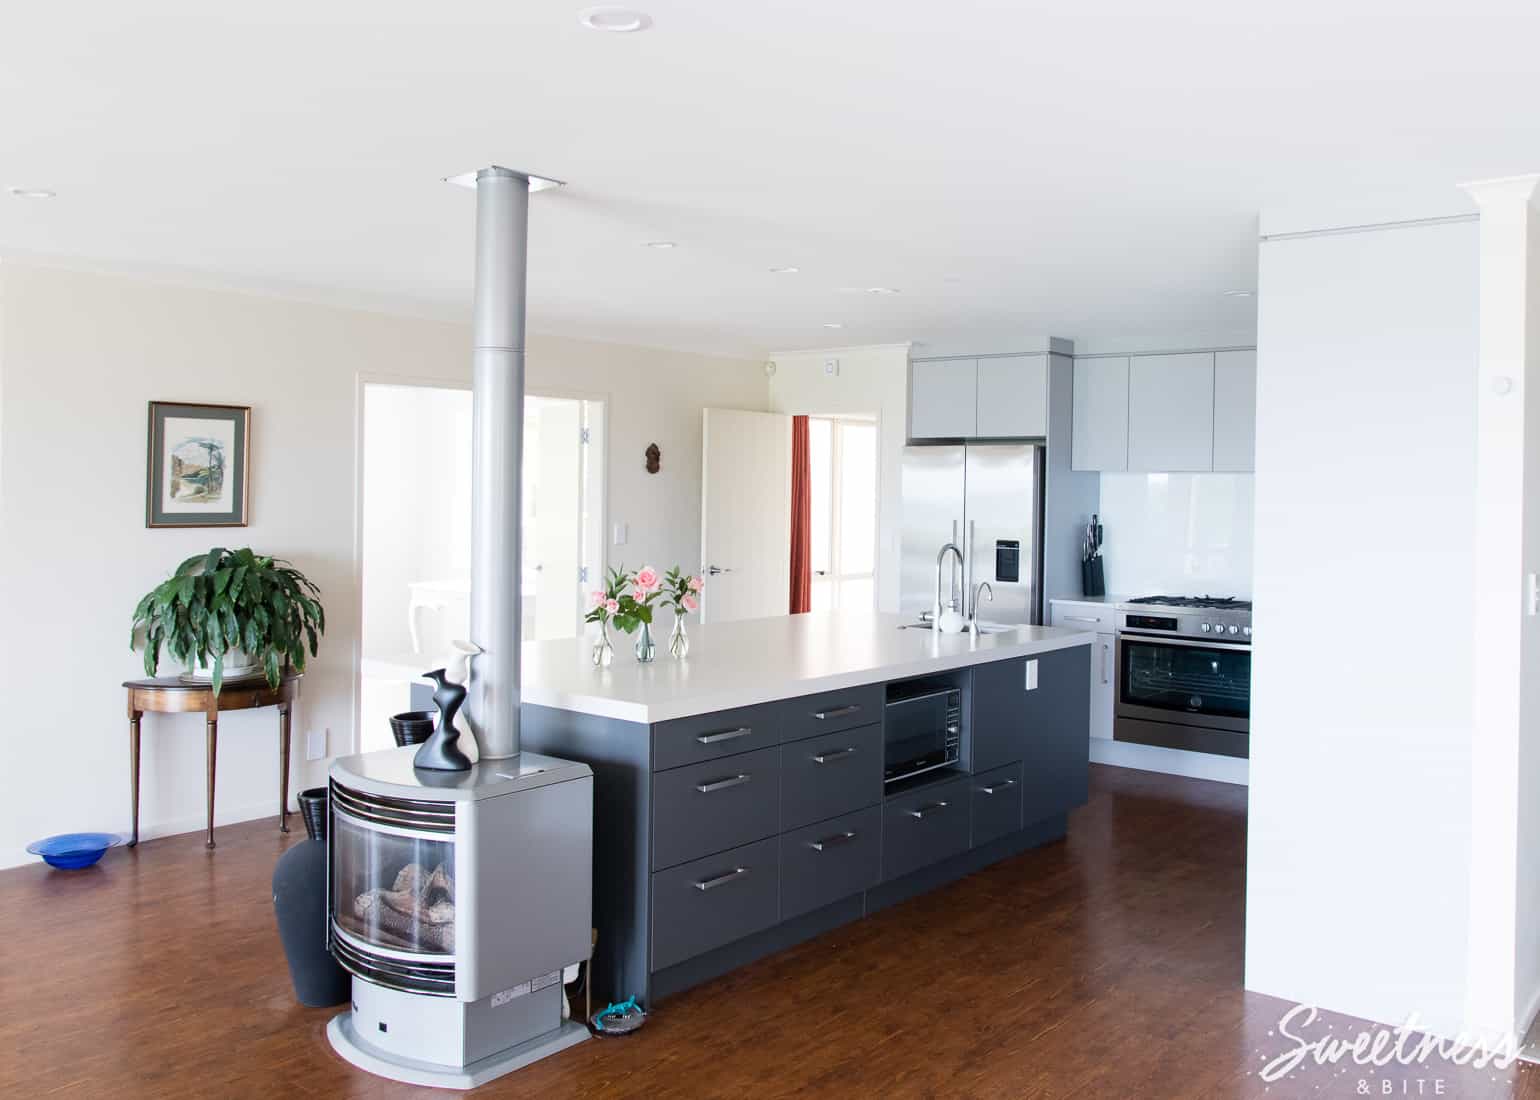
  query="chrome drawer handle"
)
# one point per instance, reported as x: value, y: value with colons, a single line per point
x: 831, y: 841
x: 721, y: 880
x: 1081, y: 619
x: 725, y: 735
x: 837, y: 754
x: 722, y: 784
x: 837, y: 712
x: 923, y: 810
x: 1007, y: 785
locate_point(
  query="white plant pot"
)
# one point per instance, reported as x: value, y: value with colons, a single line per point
x: 239, y: 665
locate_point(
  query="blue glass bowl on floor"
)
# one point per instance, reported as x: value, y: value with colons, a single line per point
x: 72, y: 851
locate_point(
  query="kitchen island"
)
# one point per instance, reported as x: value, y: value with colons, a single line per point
x: 740, y: 797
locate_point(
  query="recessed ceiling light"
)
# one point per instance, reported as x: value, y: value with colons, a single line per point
x: 833, y: 324
x: 536, y: 183
x: 1239, y: 293
x: 30, y: 193
x: 659, y: 244
x: 615, y: 20
x: 784, y: 270
x: 880, y: 290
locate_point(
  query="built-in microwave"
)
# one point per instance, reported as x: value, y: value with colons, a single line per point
x: 922, y: 730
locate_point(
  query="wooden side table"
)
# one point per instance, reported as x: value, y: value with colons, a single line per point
x: 173, y: 695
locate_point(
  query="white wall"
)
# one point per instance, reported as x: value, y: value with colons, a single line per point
x: 871, y: 380
x: 82, y: 356
x: 1360, y: 801
x: 1180, y: 534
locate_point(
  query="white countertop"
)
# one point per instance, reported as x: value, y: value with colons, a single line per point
x: 742, y: 663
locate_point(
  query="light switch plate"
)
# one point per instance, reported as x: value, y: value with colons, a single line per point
x: 315, y: 745
x: 622, y: 530
x: 831, y: 367
x: 1031, y: 675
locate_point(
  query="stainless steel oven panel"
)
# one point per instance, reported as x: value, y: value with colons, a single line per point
x: 1127, y: 710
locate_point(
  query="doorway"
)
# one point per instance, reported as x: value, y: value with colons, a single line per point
x: 415, y: 532
x: 842, y: 469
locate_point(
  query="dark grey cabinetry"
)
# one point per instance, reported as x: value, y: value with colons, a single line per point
x: 715, y: 900
x: 1046, y: 727
x: 996, y: 803
x: 823, y: 777
x: 830, y: 860
x: 713, y: 805
x: 924, y: 827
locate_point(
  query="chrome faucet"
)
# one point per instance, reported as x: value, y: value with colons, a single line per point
x: 935, y: 620
x: 982, y: 589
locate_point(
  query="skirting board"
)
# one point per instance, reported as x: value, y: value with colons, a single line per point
x: 1153, y: 758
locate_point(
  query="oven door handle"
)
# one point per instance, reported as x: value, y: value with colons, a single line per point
x: 1156, y: 639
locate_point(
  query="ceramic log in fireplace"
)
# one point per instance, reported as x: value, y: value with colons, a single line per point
x: 456, y: 899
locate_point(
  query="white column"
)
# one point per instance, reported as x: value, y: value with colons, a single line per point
x: 1503, y: 971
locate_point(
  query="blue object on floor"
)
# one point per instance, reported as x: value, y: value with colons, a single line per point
x: 619, y: 1019
x: 72, y: 851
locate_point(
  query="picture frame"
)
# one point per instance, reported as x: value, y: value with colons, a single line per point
x: 198, y: 465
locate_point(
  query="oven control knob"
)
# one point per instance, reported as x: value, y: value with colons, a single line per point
x: 1234, y: 629
x: 1246, y: 630
x: 1204, y: 627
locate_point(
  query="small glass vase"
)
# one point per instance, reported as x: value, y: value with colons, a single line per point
x: 604, y: 652
x: 645, y: 650
x: 678, y: 640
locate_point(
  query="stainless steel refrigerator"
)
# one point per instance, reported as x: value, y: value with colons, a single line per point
x: 987, y: 498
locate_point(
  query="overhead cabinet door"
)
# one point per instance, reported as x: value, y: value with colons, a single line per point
x: 1100, y: 436
x: 1235, y: 411
x: 1171, y: 412
x: 943, y: 399
x: 1013, y: 397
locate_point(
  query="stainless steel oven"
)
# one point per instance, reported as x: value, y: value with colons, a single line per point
x: 1181, y: 691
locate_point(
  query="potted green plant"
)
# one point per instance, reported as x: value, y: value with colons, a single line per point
x: 230, y: 612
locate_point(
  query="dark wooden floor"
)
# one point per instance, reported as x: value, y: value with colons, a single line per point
x: 1105, y: 966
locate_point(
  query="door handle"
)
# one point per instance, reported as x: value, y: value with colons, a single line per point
x: 831, y: 841
x: 722, y: 784
x: 1106, y: 654
x: 725, y: 735
x: 837, y: 712
x: 721, y: 880
x: 714, y: 570
x: 1007, y: 785
x: 837, y: 754
x: 932, y: 808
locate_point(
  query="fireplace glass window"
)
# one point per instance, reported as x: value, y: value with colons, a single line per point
x: 391, y: 890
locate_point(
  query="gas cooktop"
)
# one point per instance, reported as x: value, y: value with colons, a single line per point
x: 1223, y: 603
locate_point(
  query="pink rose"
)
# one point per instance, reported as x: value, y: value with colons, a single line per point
x: 647, y: 579
x: 696, y: 584
x: 596, y: 597
x: 612, y: 606
x: 690, y: 603
x: 639, y: 594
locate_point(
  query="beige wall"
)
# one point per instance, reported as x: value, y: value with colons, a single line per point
x: 871, y: 380
x: 82, y: 355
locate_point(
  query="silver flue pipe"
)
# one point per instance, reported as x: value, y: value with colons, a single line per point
x: 497, y: 453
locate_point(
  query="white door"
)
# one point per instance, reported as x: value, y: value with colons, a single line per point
x: 745, y: 515
x: 558, y: 492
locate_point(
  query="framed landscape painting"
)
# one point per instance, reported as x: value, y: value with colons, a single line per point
x: 197, y: 468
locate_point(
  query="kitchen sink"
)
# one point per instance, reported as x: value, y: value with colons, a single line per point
x: 984, y: 627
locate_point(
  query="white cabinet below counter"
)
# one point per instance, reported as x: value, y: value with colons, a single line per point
x: 1099, y: 616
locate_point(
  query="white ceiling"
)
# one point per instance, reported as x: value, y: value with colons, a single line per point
x: 1085, y: 169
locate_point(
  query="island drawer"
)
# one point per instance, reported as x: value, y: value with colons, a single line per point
x: 715, y: 805
x: 823, y: 777
x: 811, y: 715
x: 708, y: 736
x: 705, y: 904
x: 830, y: 860
x: 925, y: 826
x: 996, y: 803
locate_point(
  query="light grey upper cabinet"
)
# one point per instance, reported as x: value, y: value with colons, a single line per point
x: 1171, y: 412
x: 943, y: 399
x: 1099, y: 436
x: 1235, y: 411
x: 1013, y: 397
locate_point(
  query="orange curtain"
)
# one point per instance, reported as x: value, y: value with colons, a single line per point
x: 801, y: 519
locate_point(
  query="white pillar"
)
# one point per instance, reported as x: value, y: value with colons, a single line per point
x: 1503, y: 970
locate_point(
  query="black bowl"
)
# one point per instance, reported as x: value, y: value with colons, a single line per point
x: 412, y: 728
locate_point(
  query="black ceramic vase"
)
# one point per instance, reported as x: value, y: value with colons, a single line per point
x: 440, y: 752
x: 299, y: 901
